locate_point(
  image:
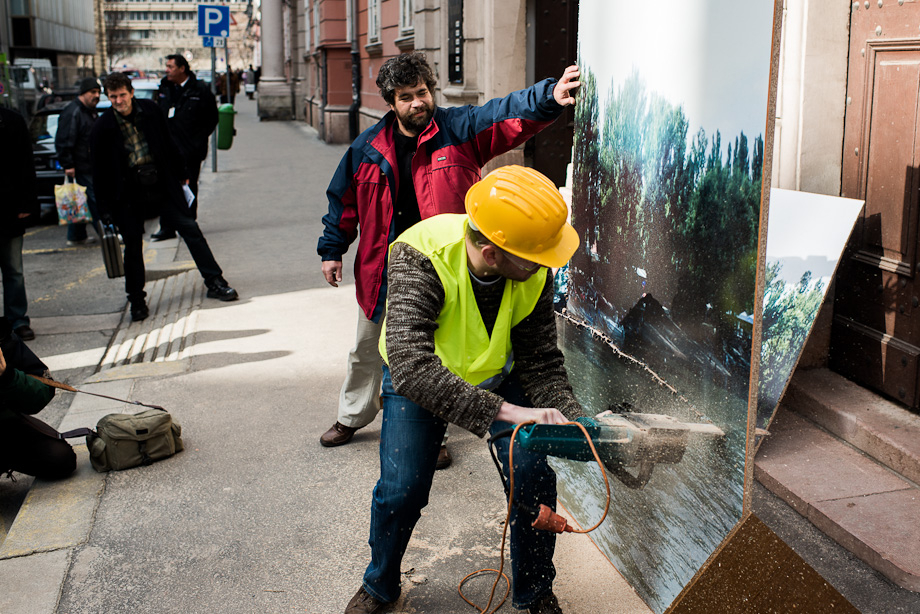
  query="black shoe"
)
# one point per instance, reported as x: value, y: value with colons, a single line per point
x: 25, y: 332
x: 219, y: 289
x: 139, y: 311
x: 546, y: 604
x: 163, y: 235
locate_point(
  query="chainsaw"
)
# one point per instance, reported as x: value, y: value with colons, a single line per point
x: 622, y: 440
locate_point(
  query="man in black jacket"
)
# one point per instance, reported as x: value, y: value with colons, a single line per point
x: 72, y: 145
x: 191, y: 114
x: 17, y: 176
x: 139, y: 174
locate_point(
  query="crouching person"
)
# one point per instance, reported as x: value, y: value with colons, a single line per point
x: 469, y: 337
x: 25, y: 444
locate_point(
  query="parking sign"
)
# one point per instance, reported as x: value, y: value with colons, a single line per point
x: 213, y: 20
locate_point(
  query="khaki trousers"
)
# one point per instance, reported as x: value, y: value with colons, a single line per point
x: 359, y: 400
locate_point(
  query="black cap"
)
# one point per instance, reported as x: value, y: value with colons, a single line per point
x: 87, y: 84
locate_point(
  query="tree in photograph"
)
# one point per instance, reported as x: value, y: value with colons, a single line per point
x: 788, y: 314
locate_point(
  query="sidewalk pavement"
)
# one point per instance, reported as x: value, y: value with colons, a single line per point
x: 254, y: 515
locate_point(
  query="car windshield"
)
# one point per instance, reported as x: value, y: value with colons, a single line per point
x: 43, y: 128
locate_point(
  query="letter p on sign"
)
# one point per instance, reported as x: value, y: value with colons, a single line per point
x: 213, y: 20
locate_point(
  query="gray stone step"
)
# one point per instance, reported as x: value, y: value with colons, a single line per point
x: 866, y: 507
x: 882, y: 429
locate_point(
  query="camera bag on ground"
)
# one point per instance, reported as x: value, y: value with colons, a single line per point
x: 122, y: 441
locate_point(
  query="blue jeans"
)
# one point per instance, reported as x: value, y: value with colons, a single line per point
x: 77, y: 232
x: 410, y: 439
x: 15, y: 303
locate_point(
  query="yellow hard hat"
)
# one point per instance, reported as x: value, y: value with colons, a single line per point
x: 521, y: 211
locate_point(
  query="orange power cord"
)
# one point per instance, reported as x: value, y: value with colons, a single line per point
x: 547, y: 520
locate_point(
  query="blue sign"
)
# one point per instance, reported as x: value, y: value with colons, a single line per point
x: 213, y: 20
x: 213, y: 41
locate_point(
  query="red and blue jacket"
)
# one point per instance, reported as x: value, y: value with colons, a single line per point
x: 451, y: 152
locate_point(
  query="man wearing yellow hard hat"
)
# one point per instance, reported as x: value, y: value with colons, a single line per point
x: 470, y: 338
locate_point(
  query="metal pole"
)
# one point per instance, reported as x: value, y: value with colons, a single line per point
x: 214, y: 91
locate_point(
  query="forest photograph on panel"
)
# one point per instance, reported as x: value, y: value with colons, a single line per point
x: 656, y: 307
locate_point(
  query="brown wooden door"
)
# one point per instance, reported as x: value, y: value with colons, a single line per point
x: 876, y: 334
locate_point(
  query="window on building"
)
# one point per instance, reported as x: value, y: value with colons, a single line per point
x: 316, y: 38
x: 373, y: 21
x: 308, y: 46
x: 455, y: 41
x: 19, y: 8
x: 406, y: 16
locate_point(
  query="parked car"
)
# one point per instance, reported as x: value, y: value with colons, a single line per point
x: 145, y: 88
x: 48, y: 171
x: 59, y: 95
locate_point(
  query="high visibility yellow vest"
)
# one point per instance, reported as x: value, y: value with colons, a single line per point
x: 461, y: 340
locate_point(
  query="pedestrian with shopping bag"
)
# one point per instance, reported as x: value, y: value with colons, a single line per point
x: 72, y: 145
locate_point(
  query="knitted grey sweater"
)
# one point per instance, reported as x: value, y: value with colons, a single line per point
x: 415, y: 297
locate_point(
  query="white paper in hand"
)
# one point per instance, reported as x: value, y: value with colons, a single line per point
x: 189, y: 196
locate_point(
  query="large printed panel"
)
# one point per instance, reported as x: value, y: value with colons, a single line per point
x: 806, y: 235
x: 657, y: 304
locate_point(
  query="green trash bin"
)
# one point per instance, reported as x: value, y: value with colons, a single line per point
x: 225, y: 129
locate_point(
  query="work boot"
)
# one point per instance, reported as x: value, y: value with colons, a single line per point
x: 219, y: 289
x: 338, y: 435
x: 546, y: 604
x: 363, y: 602
x: 444, y: 459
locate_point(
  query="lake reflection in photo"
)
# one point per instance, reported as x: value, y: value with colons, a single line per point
x: 657, y: 536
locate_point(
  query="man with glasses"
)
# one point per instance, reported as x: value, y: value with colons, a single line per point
x: 469, y: 338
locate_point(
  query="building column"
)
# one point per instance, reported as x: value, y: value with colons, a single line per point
x: 275, y: 99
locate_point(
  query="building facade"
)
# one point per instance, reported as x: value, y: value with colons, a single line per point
x: 138, y: 34
x: 479, y: 49
x: 48, y: 45
x: 62, y: 31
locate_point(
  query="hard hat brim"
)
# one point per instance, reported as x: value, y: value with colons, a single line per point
x: 557, y: 255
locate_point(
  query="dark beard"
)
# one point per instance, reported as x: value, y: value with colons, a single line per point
x: 418, y: 123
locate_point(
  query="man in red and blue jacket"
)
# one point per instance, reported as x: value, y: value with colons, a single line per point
x: 416, y: 162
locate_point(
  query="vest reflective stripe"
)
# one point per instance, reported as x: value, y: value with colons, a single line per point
x: 461, y: 340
